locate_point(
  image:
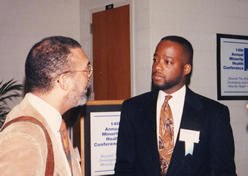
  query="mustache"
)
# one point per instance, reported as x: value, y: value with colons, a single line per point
x: 156, y: 73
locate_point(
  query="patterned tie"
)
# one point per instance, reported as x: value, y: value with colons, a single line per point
x: 166, y: 136
x: 65, y: 142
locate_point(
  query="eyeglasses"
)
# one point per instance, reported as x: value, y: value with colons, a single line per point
x: 88, y: 70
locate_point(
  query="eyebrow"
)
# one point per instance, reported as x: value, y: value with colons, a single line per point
x: 164, y: 56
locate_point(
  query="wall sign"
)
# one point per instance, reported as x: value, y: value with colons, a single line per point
x: 101, y: 131
x: 103, y: 141
x: 232, y: 67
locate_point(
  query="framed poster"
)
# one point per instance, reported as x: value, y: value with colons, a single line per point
x: 232, y: 67
x: 101, y: 132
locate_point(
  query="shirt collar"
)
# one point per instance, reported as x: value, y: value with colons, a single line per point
x: 176, y: 95
x: 51, y: 115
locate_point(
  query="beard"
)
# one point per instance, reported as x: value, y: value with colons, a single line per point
x: 77, y: 98
x: 84, y: 96
x: 82, y: 99
x: 166, y: 85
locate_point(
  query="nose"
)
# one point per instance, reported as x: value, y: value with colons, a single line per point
x: 158, y: 65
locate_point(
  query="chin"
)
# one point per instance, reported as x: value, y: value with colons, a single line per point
x: 162, y: 86
x: 156, y: 86
x: 82, y: 101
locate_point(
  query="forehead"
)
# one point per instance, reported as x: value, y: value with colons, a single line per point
x: 169, y: 47
x: 78, y: 57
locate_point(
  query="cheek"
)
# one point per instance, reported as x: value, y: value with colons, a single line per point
x: 84, y: 82
x: 153, y: 68
x: 80, y: 83
x: 178, y: 73
x: 173, y: 73
x: 158, y: 66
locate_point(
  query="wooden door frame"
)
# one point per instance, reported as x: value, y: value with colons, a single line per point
x: 132, y: 66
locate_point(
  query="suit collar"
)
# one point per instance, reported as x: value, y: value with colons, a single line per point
x: 191, y: 119
x: 191, y: 111
x: 192, y: 99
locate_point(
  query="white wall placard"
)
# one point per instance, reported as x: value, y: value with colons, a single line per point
x: 232, y: 67
x: 103, y: 141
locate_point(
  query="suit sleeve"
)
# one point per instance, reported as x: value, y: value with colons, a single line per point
x: 125, y: 162
x: 221, y: 145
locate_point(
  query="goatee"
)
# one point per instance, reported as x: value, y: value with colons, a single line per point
x: 164, y: 86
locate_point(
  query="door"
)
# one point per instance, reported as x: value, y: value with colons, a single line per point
x: 111, y: 54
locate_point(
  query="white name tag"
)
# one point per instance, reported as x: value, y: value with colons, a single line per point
x: 189, y: 137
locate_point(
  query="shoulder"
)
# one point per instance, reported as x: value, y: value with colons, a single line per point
x: 201, y: 100
x: 210, y: 111
x: 142, y: 97
x: 26, y: 130
x: 209, y: 107
x: 19, y: 141
x: 141, y: 100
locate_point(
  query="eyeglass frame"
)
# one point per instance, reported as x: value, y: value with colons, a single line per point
x: 88, y: 70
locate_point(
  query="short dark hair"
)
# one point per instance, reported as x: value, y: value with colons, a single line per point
x: 187, y: 47
x: 46, y: 60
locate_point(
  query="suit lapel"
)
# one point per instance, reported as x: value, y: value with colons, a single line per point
x: 190, y: 120
x: 149, y: 123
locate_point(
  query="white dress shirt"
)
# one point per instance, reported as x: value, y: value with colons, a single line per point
x: 54, y: 120
x: 176, y: 104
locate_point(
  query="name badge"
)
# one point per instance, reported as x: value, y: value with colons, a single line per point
x: 189, y: 137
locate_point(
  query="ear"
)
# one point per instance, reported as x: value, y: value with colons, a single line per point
x: 187, y: 69
x: 63, y: 82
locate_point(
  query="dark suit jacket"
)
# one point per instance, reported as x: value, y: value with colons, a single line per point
x: 137, y: 151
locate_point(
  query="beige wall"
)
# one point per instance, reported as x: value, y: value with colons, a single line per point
x: 24, y: 22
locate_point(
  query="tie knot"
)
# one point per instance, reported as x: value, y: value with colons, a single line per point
x: 167, y: 98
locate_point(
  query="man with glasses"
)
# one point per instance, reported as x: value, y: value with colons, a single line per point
x: 34, y: 140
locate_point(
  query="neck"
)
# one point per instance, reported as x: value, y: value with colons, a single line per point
x: 173, y: 90
x: 53, y: 99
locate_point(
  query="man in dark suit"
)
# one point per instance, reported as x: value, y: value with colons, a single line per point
x: 200, y: 132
